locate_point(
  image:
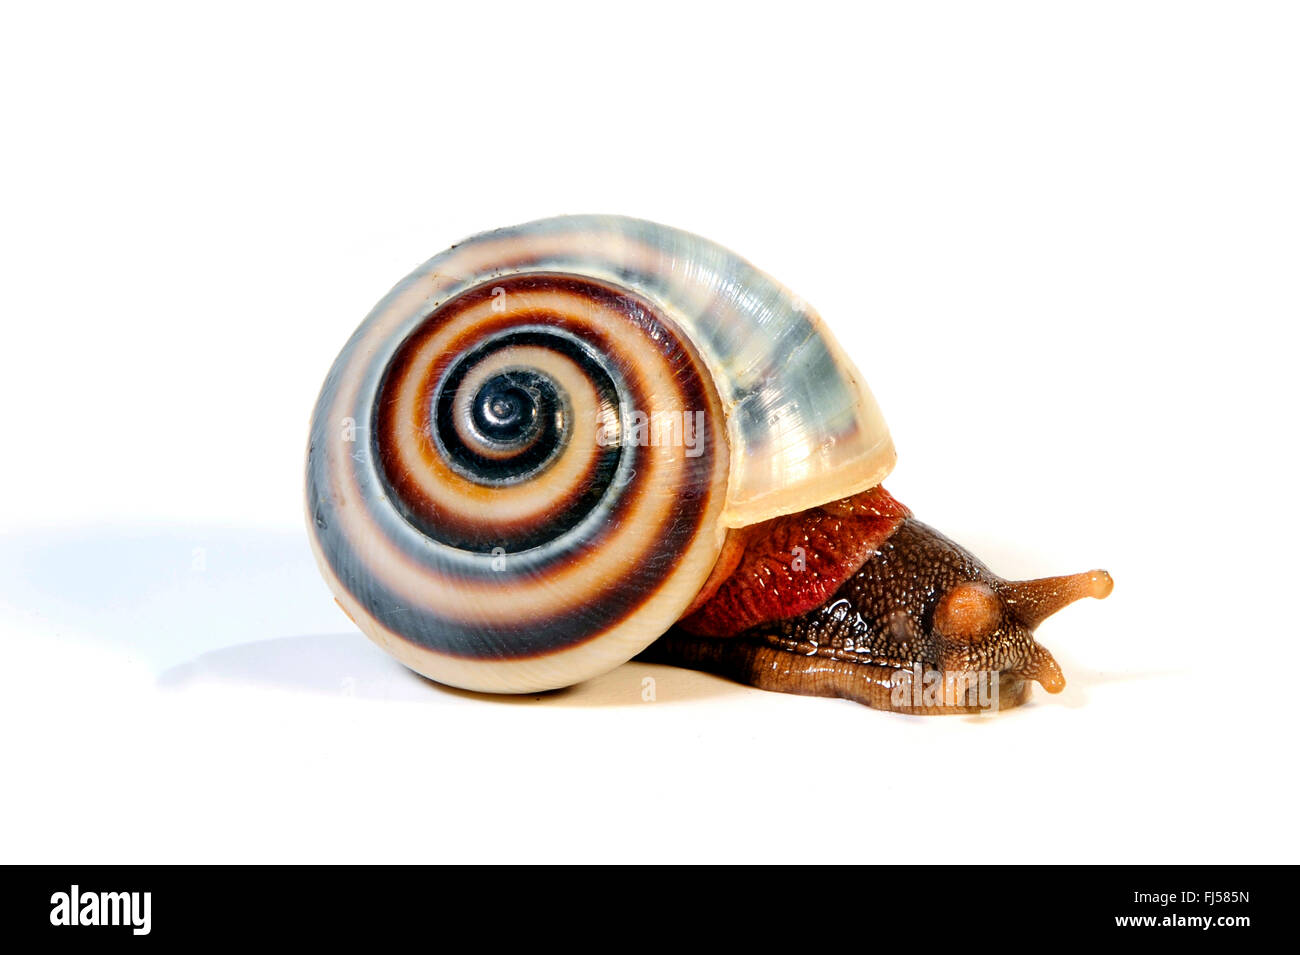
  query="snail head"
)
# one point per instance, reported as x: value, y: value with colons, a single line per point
x: 958, y: 617
x: 984, y: 624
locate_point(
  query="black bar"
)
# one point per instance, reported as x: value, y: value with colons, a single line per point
x: 969, y: 906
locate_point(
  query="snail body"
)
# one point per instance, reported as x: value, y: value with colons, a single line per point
x: 552, y: 445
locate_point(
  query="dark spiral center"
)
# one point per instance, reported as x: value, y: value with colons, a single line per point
x: 515, y: 422
x: 506, y: 408
x: 509, y: 425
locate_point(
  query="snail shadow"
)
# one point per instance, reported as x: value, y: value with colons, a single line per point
x: 348, y: 665
x: 164, y: 594
x: 211, y: 605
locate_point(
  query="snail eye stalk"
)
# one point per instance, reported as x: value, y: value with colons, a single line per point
x: 1033, y: 601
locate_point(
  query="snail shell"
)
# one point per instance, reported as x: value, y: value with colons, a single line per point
x: 524, y: 463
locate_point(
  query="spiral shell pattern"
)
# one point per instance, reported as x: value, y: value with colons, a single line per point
x: 523, y: 464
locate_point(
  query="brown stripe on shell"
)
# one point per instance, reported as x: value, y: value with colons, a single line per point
x: 434, y: 514
x: 400, y: 474
x: 482, y: 518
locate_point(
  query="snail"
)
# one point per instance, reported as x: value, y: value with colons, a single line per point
x: 555, y: 447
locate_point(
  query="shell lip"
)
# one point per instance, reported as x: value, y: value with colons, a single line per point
x: 800, y: 496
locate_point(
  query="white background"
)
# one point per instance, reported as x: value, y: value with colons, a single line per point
x: 1060, y: 241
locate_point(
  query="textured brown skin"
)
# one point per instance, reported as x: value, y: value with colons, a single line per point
x: 917, y: 598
